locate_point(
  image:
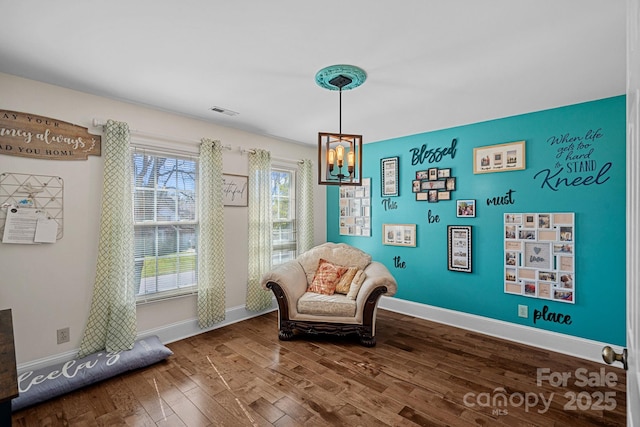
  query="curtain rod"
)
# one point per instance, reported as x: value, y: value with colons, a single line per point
x: 281, y: 159
x: 99, y: 123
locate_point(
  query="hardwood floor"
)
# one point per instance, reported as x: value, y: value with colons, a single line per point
x: 420, y: 373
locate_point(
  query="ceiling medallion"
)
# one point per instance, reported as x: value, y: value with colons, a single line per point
x: 327, y: 74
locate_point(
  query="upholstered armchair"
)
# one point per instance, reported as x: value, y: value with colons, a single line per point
x: 332, y: 288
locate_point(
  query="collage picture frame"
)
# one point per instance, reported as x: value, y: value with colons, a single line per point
x: 539, y: 253
x: 433, y: 185
x: 355, y: 209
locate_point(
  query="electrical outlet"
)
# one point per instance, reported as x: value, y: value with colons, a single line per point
x: 523, y: 311
x: 63, y: 335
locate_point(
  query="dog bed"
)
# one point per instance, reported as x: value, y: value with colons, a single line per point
x: 45, y: 383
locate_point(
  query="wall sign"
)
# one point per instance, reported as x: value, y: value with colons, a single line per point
x: 234, y: 190
x: 38, y: 137
x: 539, y: 253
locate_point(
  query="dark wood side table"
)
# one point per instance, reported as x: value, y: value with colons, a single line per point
x: 8, y: 373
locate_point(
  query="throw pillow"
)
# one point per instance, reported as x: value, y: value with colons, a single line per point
x: 326, y: 278
x: 356, y: 283
x: 344, y: 284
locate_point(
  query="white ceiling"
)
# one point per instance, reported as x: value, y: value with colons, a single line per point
x: 430, y: 64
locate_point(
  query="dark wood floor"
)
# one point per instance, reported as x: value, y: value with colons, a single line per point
x: 420, y: 373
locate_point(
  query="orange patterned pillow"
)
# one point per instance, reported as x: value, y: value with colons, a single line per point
x: 326, y: 278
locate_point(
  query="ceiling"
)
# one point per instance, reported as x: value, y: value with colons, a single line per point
x: 430, y: 64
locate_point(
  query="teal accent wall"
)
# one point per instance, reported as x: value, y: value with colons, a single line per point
x: 597, y: 197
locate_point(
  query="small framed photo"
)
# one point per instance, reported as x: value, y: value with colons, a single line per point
x: 389, y: 171
x: 459, y: 248
x: 420, y: 175
x: 433, y: 174
x: 444, y: 195
x: 433, y: 196
x: 451, y: 183
x: 415, y: 186
x: 465, y: 208
x: 422, y: 197
x: 399, y: 234
x: 432, y: 185
x: 444, y: 173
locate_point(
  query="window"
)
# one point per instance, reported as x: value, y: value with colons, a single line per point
x: 283, y: 209
x: 166, y: 225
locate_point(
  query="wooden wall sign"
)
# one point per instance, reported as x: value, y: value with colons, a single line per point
x: 38, y: 137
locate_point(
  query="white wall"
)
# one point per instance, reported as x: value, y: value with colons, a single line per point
x: 49, y: 287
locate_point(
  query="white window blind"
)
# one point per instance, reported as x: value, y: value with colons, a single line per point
x: 283, y: 215
x: 165, y: 223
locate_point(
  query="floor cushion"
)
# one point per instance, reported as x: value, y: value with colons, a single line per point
x: 45, y: 383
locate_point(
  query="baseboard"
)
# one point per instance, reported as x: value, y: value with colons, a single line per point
x: 552, y: 341
x: 167, y: 334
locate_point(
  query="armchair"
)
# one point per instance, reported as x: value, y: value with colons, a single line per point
x: 329, y: 313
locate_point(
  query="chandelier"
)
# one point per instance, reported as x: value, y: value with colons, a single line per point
x: 339, y: 154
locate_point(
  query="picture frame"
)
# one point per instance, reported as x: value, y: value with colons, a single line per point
x: 389, y: 173
x: 355, y: 209
x: 540, y: 246
x: 499, y: 158
x: 433, y: 185
x: 444, y: 173
x: 399, y: 234
x: 459, y: 248
x: 235, y: 190
x: 466, y: 208
x: 420, y: 175
x: 433, y: 174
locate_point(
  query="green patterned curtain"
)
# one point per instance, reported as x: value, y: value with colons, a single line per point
x: 112, y: 319
x: 211, y: 277
x: 305, y: 206
x: 259, y: 228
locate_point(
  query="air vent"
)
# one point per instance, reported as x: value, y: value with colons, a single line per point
x: 223, y: 111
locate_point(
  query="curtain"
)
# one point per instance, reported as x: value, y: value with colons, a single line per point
x: 211, y: 274
x: 259, y: 228
x: 305, y: 206
x: 112, y: 318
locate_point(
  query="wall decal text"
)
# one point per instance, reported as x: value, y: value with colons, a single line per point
x: 433, y: 155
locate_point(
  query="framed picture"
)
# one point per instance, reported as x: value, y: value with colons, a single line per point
x: 234, y: 190
x: 541, y: 248
x: 420, y: 175
x: 465, y: 208
x: 355, y: 209
x: 399, y: 234
x: 499, y: 158
x: 432, y: 185
x: 444, y: 173
x: 450, y: 184
x: 444, y: 195
x: 459, y: 248
x: 389, y: 171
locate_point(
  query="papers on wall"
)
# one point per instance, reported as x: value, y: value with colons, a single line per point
x: 28, y: 226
